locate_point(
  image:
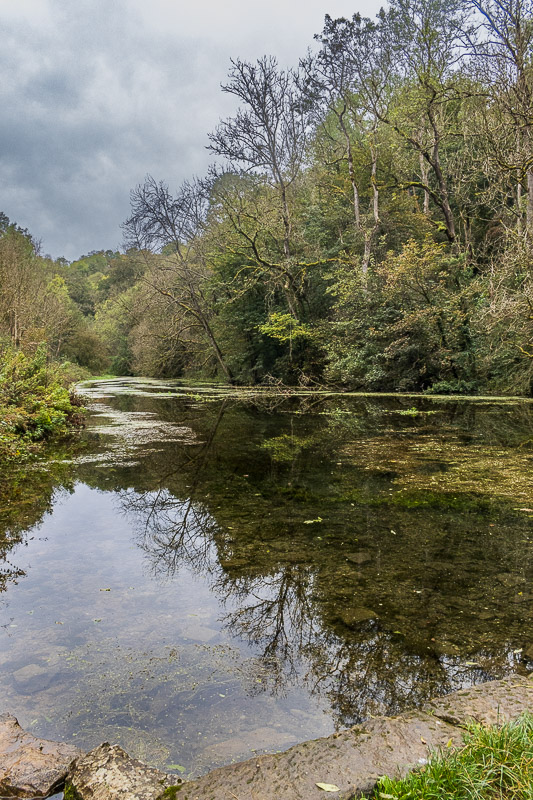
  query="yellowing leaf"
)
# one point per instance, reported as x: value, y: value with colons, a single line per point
x: 328, y: 787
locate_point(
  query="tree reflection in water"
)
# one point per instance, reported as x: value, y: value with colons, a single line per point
x: 361, y: 665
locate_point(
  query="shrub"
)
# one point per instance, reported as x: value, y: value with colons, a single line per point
x: 35, y: 403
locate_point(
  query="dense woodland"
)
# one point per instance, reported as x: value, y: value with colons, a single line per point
x: 367, y: 224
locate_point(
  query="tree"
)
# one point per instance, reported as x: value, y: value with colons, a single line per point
x: 503, y: 59
x: 269, y: 135
x: 180, y: 273
x: 337, y: 77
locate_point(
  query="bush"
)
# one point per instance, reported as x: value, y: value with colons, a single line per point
x: 35, y: 403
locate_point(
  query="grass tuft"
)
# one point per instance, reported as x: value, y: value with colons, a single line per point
x: 494, y: 764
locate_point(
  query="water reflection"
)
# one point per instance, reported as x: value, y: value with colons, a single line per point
x: 298, y: 555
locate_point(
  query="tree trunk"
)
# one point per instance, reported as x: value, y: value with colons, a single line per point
x: 373, y: 178
x: 529, y: 209
x: 218, y: 353
x: 286, y: 221
x: 424, y: 172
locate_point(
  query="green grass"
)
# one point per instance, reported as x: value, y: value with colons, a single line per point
x: 493, y: 764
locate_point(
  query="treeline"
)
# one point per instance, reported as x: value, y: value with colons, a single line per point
x: 368, y: 223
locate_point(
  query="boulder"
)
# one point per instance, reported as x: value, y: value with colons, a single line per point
x: 108, y: 773
x: 30, y: 767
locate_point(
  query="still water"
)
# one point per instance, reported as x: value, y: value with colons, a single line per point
x: 210, y: 574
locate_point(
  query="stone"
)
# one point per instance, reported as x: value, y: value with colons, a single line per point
x: 31, y: 767
x: 108, y: 773
x: 491, y: 703
x: 33, y: 678
x: 362, y: 557
x: 257, y: 739
x: 352, y: 616
x: 353, y: 760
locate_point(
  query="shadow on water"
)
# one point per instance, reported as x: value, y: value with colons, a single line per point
x: 228, y: 572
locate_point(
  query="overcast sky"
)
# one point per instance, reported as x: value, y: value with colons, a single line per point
x: 95, y: 94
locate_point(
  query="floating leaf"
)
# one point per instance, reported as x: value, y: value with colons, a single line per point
x: 328, y: 787
x: 176, y: 766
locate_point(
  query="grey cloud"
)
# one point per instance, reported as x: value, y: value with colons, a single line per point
x: 97, y: 93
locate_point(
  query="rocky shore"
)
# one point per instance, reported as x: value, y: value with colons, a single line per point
x: 347, y: 763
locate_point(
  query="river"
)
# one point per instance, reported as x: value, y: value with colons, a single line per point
x: 212, y: 573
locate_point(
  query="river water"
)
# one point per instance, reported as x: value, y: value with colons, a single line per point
x: 210, y: 574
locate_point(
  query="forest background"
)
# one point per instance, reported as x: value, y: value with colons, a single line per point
x: 368, y: 225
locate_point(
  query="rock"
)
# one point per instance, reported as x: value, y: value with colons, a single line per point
x: 108, y: 773
x: 30, y: 767
x: 33, y: 678
x: 362, y: 557
x: 351, y: 616
x: 490, y: 703
x: 257, y: 739
x: 353, y: 760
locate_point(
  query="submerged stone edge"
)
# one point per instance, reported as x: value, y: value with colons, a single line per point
x: 351, y: 760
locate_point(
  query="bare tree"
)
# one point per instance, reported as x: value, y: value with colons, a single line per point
x: 268, y: 134
x: 405, y: 71
x: 334, y: 77
x: 503, y: 59
x: 174, y: 225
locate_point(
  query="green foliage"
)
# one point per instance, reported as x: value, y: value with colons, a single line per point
x: 285, y: 328
x: 35, y: 404
x: 494, y: 763
x: 382, y: 240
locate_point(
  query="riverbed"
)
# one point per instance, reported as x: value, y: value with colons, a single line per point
x: 211, y: 573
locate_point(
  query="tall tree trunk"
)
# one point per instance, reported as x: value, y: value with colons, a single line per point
x: 424, y: 172
x: 366, y: 255
x: 519, y: 225
x: 529, y: 209
x: 218, y: 353
x: 351, y: 171
x: 286, y: 221
x: 373, y: 178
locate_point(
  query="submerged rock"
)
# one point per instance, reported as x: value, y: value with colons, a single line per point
x: 33, y: 678
x: 30, y: 767
x: 108, y: 773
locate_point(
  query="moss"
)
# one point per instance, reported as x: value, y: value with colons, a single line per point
x: 170, y: 793
x: 70, y: 793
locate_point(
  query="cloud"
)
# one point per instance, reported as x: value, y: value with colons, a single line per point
x: 98, y: 93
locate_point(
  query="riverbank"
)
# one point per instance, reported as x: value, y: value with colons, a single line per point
x: 36, y: 405
x: 343, y: 766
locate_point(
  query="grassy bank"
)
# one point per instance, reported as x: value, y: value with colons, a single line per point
x: 493, y: 764
x: 36, y: 404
